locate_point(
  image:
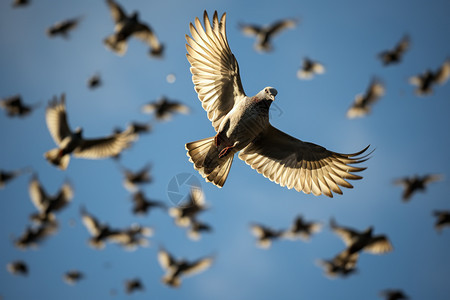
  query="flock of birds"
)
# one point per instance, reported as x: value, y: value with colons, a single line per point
x: 71, y: 142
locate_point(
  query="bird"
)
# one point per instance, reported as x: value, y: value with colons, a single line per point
x: 7, y: 176
x: 184, y: 213
x: 302, y: 229
x: 265, y: 235
x: 72, y: 277
x: 242, y: 124
x: 133, y: 285
x: 139, y: 128
x: 15, y: 107
x: 73, y: 143
x: 142, y: 205
x: 361, y: 241
x: 100, y: 233
x: 442, y: 219
x: 47, y: 204
x: 395, y: 55
x: 309, y: 69
x: 134, y: 179
x: 415, y: 183
x: 18, y: 267
x: 392, y: 294
x: 177, y: 268
x: 363, y: 102
x: 342, y: 264
x: 20, y: 3
x: 94, y: 81
x: 63, y: 28
x: 196, y: 228
x: 36, y: 235
x: 164, y: 108
x: 428, y: 79
x: 264, y: 34
x: 129, y: 26
x: 131, y: 237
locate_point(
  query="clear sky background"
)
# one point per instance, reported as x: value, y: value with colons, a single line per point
x: 410, y: 135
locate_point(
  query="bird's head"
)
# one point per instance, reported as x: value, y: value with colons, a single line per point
x: 268, y: 93
x: 78, y: 131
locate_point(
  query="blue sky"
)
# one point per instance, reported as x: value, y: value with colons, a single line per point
x: 408, y: 132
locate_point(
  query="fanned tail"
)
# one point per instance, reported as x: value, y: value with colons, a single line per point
x: 55, y: 158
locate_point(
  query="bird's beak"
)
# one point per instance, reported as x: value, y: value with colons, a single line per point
x: 273, y: 92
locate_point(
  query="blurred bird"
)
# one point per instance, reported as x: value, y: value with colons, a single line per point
x: 302, y: 229
x: 264, y: 34
x: 426, y: 80
x: 72, y: 277
x: 265, y: 235
x: 99, y: 232
x: 361, y: 241
x: 196, y: 228
x: 94, y: 82
x: 184, y: 213
x: 242, y: 123
x: 363, y: 103
x: 139, y: 128
x: 20, y: 3
x: 442, y: 219
x: 309, y: 69
x: 132, y: 237
x: 46, y: 204
x: 395, y: 55
x: 142, y: 205
x: 15, y: 107
x: 72, y: 142
x: 342, y: 264
x: 176, y: 268
x: 63, y: 28
x: 133, y: 179
x: 128, y: 26
x: 393, y: 295
x: 6, y: 176
x: 163, y: 108
x: 17, y: 267
x: 133, y: 285
x: 416, y: 183
x: 35, y: 235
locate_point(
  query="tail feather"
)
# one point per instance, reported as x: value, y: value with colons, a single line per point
x: 54, y: 157
x: 116, y: 45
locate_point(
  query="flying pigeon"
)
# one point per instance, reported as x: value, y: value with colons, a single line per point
x: 63, y: 28
x: 17, y: 267
x: 442, y: 219
x: 133, y: 179
x: 302, y: 229
x: 395, y: 55
x: 94, y: 81
x: 100, y: 233
x: 309, y: 69
x: 72, y: 142
x: 363, y: 103
x: 133, y: 285
x: 72, y: 277
x: 342, y: 264
x: 176, y: 268
x: 416, y: 183
x: 426, y: 80
x: 15, y: 107
x: 128, y: 26
x: 142, y: 205
x: 242, y: 124
x: 265, y: 235
x: 264, y: 34
x: 35, y: 235
x: 6, y: 176
x: 186, y: 212
x: 196, y: 228
x: 131, y: 237
x: 20, y: 3
x: 393, y: 295
x: 163, y: 108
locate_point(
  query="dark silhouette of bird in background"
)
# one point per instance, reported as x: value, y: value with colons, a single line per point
x: 302, y: 229
x: 164, y: 108
x: 309, y: 69
x: 177, y: 268
x: 94, y: 81
x: 264, y: 34
x: 72, y: 277
x: 265, y: 235
x: 184, y: 213
x: 133, y: 180
x: 15, y: 107
x: 242, y: 124
x: 393, y: 295
x: 442, y: 219
x: 72, y: 142
x: 63, y: 28
x: 132, y: 237
x: 342, y: 264
x: 425, y: 81
x: 18, y: 267
x: 363, y: 103
x: 36, y: 235
x: 395, y: 55
x: 129, y: 26
x: 197, y: 228
x: 416, y: 183
x: 142, y: 205
x: 20, y: 3
x: 100, y: 233
x: 133, y: 285
x: 7, y: 176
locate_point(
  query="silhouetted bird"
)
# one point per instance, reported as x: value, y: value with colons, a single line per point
x: 426, y: 80
x: 416, y: 183
x: 163, y: 108
x: 46, y: 204
x: 94, y: 82
x: 265, y: 235
x: 6, y: 176
x: 72, y: 277
x: 133, y: 285
x: 14, y: 106
x: 196, y: 228
x: 72, y: 142
x: 184, y: 213
x: 442, y: 219
x: 133, y: 179
x: 302, y: 229
x: 139, y: 128
x: 99, y: 232
x: 264, y: 34
x: 242, y: 124
x: 20, y: 3
x: 342, y: 264
x: 142, y: 204
x: 132, y: 237
x: 18, y: 267
x: 128, y: 26
x: 309, y: 69
x: 393, y: 295
x: 35, y: 235
x: 176, y: 268
x: 395, y: 55
x: 363, y: 103
x: 63, y: 28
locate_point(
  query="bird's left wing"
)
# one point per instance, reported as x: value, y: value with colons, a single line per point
x: 56, y: 119
x: 104, y: 147
x: 146, y: 34
x: 37, y: 194
x: 198, y: 266
x: 379, y: 245
x: 117, y: 11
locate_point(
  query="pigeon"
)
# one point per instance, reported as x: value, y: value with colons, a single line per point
x: 341, y: 265
x: 196, y: 228
x: 6, y: 176
x: 20, y: 3
x: 164, y: 108
x: 128, y: 26
x: 94, y: 82
x: 133, y: 285
x: 426, y: 80
x: 416, y: 183
x: 35, y: 235
x: 395, y: 55
x: 46, y: 204
x: 242, y: 124
x: 176, y: 268
x: 17, y: 267
x: 302, y: 229
x: 99, y: 232
x: 309, y: 69
x: 442, y: 219
x: 15, y: 107
x: 363, y: 103
x: 139, y: 128
x: 142, y: 205
x: 72, y: 277
x: 131, y: 237
x: 63, y: 28
x: 264, y: 34
x: 393, y: 295
x: 72, y: 142
x: 186, y: 212
x: 133, y: 179
x: 265, y: 235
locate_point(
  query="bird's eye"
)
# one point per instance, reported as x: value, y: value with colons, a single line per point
x: 266, y: 90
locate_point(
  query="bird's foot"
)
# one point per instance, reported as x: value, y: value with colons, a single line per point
x: 225, y: 151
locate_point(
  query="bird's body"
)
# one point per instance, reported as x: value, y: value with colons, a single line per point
x: 163, y: 108
x: 35, y: 235
x: 395, y: 55
x: 309, y: 69
x: 425, y: 81
x: 302, y: 229
x: 63, y: 28
x: 133, y: 285
x: 18, y: 267
x: 416, y: 183
x: 15, y: 107
x: 72, y: 277
x: 265, y: 235
x: 363, y: 103
x: 442, y: 219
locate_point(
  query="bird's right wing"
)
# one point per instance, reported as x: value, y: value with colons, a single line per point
x: 91, y: 223
x: 249, y: 29
x: 198, y: 266
x: 443, y: 73
x: 105, y: 147
x: 117, y: 11
x: 37, y: 194
x: 278, y: 26
x: 215, y: 70
x: 56, y: 119
x: 345, y: 233
x: 165, y: 259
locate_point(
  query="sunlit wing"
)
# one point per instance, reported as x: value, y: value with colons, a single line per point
x: 56, y: 119
x: 379, y: 245
x: 104, y: 147
x: 198, y: 266
x: 64, y: 196
x: 443, y: 73
x: 277, y: 27
x: 147, y: 35
x: 37, y: 194
x: 345, y: 233
x: 432, y: 178
x: 165, y: 259
x: 91, y: 223
x: 250, y: 30
x: 116, y: 10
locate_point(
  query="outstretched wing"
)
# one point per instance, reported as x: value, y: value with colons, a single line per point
x: 37, y: 194
x: 117, y: 11
x: 90, y: 222
x: 345, y: 233
x: 105, y: 147
x: 249, y: 29
x: 304, y: 166
x: 198, y: 266
x: 146, y: 34
x: 279, y: 26
x: 379, y: 245
x: 215, y: 70
x: 165, y: 259
x: 56, y: 119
